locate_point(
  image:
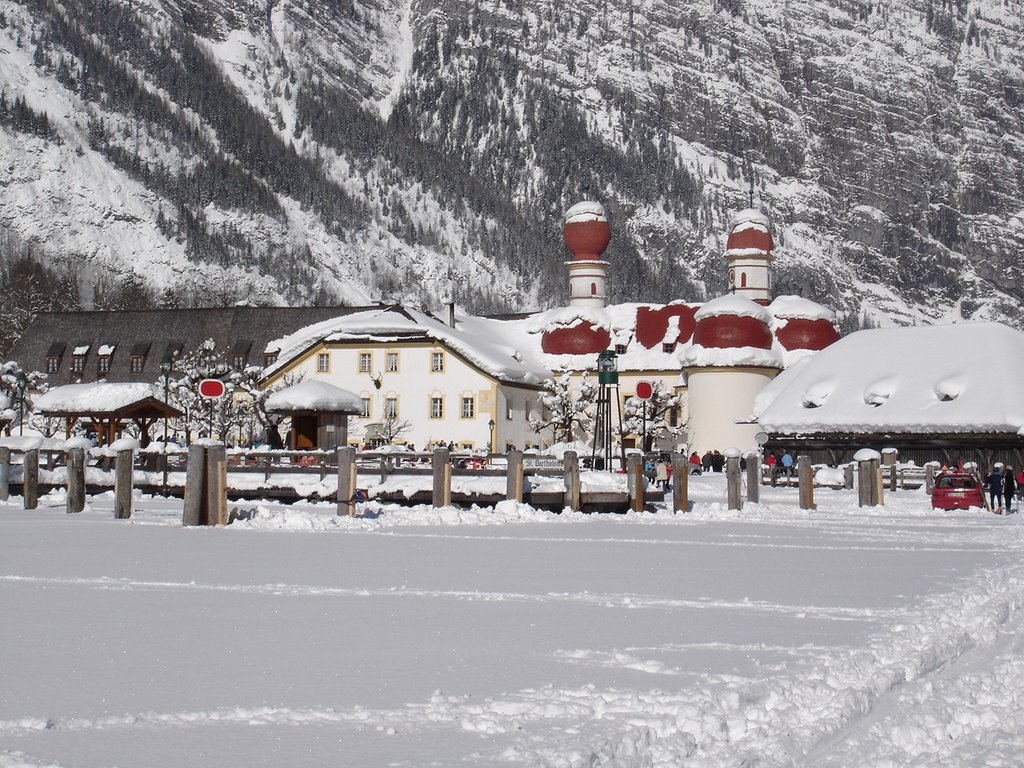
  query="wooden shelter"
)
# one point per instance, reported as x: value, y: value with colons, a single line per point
x: 319, y: 412
x: 108, y: 408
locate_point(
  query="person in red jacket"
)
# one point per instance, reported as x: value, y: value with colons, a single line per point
x: 1020, y: 483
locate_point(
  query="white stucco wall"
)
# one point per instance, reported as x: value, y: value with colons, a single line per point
x: 717, y: 397
x: 413, y: 386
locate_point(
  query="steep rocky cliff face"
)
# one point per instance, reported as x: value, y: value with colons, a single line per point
x: 321, y: 150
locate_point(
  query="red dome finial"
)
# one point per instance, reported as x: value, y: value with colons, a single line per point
x: 586, y: 232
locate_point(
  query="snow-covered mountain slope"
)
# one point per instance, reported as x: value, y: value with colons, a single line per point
x: 409, y: 150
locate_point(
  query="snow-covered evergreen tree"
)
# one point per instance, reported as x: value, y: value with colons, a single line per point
x: 16, y: 386
x: 565, y: 411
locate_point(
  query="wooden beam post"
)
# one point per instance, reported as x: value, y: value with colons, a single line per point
x: 514, y: 476
x: 123, y: 466
x: 805, y: 473
x: 5, y: 473
x: 76, y: 479
x: 754, y: 477
x: 733, y: 483
x: 217, y: 485
x: 30, y: 479
x: 930, y: 469
x: 680, y: 482
x: 346, y: 481
x: 889, y: 460
x: 195, y: 487
x: 848, y: 476
x: 635, y: 482
x: 571, y: 472
x: 442, y: 488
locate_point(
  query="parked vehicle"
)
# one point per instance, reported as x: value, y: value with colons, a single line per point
x: 957, y: 490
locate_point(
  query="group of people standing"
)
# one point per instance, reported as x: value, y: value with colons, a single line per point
x: 1002, y: 486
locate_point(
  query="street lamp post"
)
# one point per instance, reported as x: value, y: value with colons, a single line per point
x: 166, y: 367
x: 490, y: 443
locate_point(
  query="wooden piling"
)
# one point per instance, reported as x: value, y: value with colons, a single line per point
x: 195, y: 487
x: 76, y: 480
x: 30, y: 479
x: 514, y: 476
x: 754, y: 477
x: 733, y: 483
x: 346, y: 481
x: 5, y: 473
x: 571, y: 471
x: 442, y: 488
x: 635, y: 482
x: 805, y: 473
x: 680, y: 482
x: 929, y: 477
x: 123, y: 466
x: 216, y: 485
x: 848, y: 476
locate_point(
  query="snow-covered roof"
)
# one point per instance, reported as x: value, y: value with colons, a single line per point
x: 106, y: 350
x: 749, y: 218
x: 928, y: 379
x: 488, y: 344
x: 81, y: 349
x: 94, y: 398
x: 797, y: 307
x: 314, y: 395
x: 587, y: 210
x: 733, y: 304
x: 698, y: 356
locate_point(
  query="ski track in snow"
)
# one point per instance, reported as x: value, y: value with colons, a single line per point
x: 724, y: 720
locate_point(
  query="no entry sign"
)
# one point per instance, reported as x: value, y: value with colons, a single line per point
x: 644, y: 390
x: 212, y: 388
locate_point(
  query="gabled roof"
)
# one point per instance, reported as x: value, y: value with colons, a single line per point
x: 152, y: 334
x: 121, y: 400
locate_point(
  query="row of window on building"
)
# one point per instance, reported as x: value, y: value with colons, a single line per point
x: 467, y: 410
x: 137, y: 359
x: 323, y: 362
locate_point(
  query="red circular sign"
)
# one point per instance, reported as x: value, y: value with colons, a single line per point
x: 212, y: 388
x: 644, y: 390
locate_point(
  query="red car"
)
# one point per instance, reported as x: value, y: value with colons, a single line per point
x: 957, y: 490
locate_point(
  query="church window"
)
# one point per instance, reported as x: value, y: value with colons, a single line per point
x: 743, y: 279
x: 593, y: 289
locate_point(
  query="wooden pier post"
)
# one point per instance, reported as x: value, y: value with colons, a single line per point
x: 929, y: 476
x: 680, y: 482
x: 195, y: 487
x: 635, y: 482
x: 30, y: 479
x: 733, y: 482
x: 347, y: 481
x: 889, y: 459
x: 442, y: 489
x: 123, y: 466
x: 805, y: 473
x: 848, y: 476
x: 217, y: 485
x: 571, y: 471
x: 76, y: 479
x: 514, y: 476
x: 869, y: 477
x: 754, y: 477
x: 5, y: 473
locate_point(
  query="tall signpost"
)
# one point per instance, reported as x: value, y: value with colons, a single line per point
x: 210, y: 390
x: 644, y: 391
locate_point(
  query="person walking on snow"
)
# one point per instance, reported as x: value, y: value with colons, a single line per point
x: 1020, y: 483
x: 994, y: 482
x: 1009, y: 487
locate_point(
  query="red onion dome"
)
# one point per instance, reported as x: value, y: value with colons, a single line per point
x: 581, y: 339
x: 652, y: 324
x: 749, y: 233
x: 803, y: 324
x: 733, y: 321
x: 586, y: 231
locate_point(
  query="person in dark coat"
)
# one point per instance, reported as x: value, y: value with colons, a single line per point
x: 1009, y: 487
x: 994, y: 482
x: 705, y: 461
x: 717, y: 461
x: 274, y: 438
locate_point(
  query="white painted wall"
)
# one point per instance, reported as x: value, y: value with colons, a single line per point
x: 414, y: 384
x: 717, y: 396
x: 588, y: 283
x: 758, y: 277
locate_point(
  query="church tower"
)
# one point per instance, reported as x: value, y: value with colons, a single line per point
x: 586, y: 235
x: 749, y: 253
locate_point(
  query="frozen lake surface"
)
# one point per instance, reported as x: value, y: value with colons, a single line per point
x: 509, y: 636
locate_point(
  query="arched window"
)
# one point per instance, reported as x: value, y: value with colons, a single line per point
x: 743, y: 279
x: 593, y: 289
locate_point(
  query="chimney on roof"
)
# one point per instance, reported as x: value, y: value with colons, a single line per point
x: 451, y: 313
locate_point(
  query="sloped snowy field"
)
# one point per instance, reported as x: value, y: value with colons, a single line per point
x: 419, y: 637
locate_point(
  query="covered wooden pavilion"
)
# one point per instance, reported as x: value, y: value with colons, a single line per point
x: 109, y: 408
x: 319, y: 412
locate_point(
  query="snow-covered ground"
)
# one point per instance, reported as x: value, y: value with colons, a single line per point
x: 508, y: 636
